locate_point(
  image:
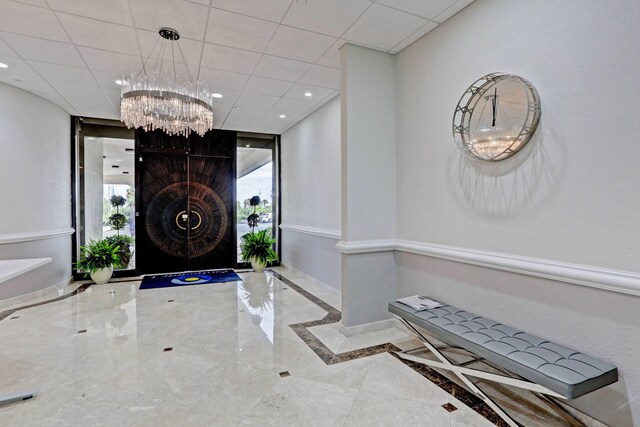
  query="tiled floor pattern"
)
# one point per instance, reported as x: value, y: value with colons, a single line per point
x: 234, y: 360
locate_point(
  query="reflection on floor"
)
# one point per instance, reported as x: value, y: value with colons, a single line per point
x: 265, y: 351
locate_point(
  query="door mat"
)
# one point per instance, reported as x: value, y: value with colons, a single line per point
x: 189, y: 279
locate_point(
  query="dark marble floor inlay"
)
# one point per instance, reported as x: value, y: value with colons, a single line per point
x: 15, y: 317
x: 82, y: 331
x: 449, y: 407
x: 284, y: 374
x: 333, y: 316
x: 80, y: 289
x: 170, y: 300
x: 168, y: 349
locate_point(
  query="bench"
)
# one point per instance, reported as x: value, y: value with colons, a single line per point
x: 539, y: 365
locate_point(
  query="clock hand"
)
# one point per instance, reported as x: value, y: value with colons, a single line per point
x: 494, y: 105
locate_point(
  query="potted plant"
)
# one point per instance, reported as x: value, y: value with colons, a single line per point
x: 123, y: 243
x: 117, y: 221
x: 97, y: 259
x: 258, y: 249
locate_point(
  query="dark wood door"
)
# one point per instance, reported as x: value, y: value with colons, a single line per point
x: 186, y: 194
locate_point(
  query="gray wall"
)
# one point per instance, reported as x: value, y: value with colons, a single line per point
x: 570, y: 197
x: 311, y: 195
x: 36, y: 188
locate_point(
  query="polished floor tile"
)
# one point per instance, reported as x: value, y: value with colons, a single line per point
x: 215, y: 355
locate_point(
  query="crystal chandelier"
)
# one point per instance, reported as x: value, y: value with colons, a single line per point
x: 164, y: 101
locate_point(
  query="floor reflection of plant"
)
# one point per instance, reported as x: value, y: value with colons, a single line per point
x: 258, y: 295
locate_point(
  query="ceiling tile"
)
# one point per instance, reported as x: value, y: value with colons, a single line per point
x: 17, y: 69
x: 62, y: 73
x: 427, y: 9
x: 107, y: 79
x: 229, y: 59
x: 272, y: 10
x: 100, y: 35
x: 116, y: 11
x: 331, y: 57
x: 218, y: 79
x: 457, y: 7
x: 294, y: 105
x: 298, y: 92
x: 281, y: 68
x: 244, y: 117
x: 383, y: 27
x: 5, y: 50
x: 189, y: 19
x: 111, y: 61
x: 44, y: 50
x: 220, y: 113
x: 267, y: 86
x: 299, y: 44
x: 331, y: 17
x: 190, y: 48
x: 31, y: 21
x: 234, y: 30
x: 415, y: 36
x: 228, y: 96
x: 257, y: 100
x: 319, y: 75
x: 39, y: 3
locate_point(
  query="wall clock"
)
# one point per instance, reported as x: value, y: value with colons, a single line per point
x: 496, y: 117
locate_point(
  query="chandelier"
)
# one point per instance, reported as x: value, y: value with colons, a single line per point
x: 158, y: 100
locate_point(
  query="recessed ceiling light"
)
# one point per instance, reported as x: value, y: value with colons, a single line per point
x: 308, y: 94
x: 216, y: 95
x: 3, y: 65
x: 118, y: 160
x: 282, y: 116
x: 119, y: 82
x: 248, y: 145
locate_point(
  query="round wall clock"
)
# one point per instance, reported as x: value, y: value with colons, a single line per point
x: 496, y: 117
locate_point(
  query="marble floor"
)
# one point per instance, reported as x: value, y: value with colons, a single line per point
x: 264, y: 351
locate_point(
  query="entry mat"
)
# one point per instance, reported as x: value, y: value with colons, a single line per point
x: 189, y: 279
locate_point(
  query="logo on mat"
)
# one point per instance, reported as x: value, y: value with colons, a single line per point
x: 191, y: 279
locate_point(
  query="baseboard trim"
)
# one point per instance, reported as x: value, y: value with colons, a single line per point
x: 49, y: 292
x: 304, y: 275
x: 313, y: 231
x: 32, y: 236
x: 626, y: 282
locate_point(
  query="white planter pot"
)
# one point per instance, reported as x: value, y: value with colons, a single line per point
x: 101, y: 276
x: 257, y: 265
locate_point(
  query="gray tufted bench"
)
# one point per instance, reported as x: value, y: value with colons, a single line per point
x: 550, y: 368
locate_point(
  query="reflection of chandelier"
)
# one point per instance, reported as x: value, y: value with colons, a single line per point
x: 489, y: 143
x: 157, y: 101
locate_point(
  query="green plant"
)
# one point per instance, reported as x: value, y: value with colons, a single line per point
x: 98, y: 255
x: 117, y: 201
x: 117, y: 220
x: 123, y: 243
x: 258, y: 245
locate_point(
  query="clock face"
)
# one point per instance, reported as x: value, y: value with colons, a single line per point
x: 496, y: 117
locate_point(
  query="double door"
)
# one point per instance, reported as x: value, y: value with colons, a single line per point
x: 185, y: 193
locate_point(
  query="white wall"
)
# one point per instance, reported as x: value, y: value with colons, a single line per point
x: 310, y: 165
x: 35, y: 187
x: 570, y: 197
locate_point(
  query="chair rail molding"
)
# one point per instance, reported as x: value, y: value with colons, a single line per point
x: 34, y: 235
x: 320, y: 232
x: 626, y: 282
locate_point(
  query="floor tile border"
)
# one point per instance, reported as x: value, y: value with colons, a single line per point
x: 330, y: 358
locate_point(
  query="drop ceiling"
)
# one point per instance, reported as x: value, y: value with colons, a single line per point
x: 261, y: 55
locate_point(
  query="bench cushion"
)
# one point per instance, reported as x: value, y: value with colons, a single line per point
x: 565, y: 371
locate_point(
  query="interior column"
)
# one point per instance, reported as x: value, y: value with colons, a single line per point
x: 368, y: 183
